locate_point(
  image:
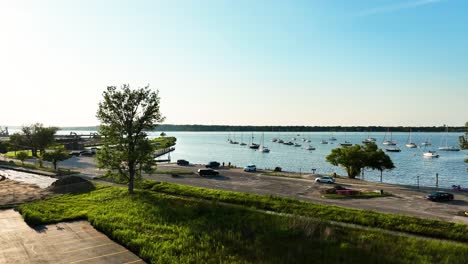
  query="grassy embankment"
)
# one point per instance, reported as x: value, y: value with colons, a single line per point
x: 59, y: 171
x: 167, y: 229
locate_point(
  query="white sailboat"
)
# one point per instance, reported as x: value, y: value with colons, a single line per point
x: 447, y: 147
x: 388, y: 142
x: 426, y: 142
x: 332, y: 138
x: 263, y: 148
x: 430, y: 154
x: 323, y: 142
x: 410, y: 143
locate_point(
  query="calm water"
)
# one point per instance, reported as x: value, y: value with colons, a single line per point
x: 201, y: 147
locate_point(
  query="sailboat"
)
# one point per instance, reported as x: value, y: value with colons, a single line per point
x: 426, y: 142
x: 242, y: 143
x: 323, y: 142
x: 447, y: 147
x: 263, y: 148
x: 310, y: 148
x: 252, y: 144
x: 389, y: 142
x: 430, y: 154
x: 369, y: 139
x: 410, y: 143
x: 346, y: 143
x: 332, y: 138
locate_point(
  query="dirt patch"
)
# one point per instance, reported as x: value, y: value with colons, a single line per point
x: 13, y: 192
x: 71, y: 184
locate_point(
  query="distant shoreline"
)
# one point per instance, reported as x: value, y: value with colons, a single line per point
x: 226, y: 128
x: 222, y: 128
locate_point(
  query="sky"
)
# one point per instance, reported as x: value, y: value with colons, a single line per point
x: 238, y: 62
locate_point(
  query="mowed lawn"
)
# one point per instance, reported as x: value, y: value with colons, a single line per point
x: 163, y: 228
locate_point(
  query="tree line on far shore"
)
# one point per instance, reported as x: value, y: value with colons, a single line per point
x: 226, y: 128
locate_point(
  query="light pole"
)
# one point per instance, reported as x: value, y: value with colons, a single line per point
x: 417, y: 177
x: 437, y: 180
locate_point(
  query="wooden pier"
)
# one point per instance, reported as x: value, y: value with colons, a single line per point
x: 161, y: 152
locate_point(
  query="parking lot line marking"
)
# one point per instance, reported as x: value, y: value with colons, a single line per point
x: 135, y: 261
x: 115, y: 253
x: 80, y: 249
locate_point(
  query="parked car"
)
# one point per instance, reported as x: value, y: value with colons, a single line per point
x: 250, y: 168
x: 439, y: 196
x: 182, y: 162
x: 325, y: 179
x: 212, y: 164
x: 74, y: 153
x: 86, y: 153
x: 207, y: 172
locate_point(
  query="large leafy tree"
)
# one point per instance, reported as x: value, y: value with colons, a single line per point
x: 125, y: 114
x: 56, y: 156
x: 37, y: 138
x: 355, y: 158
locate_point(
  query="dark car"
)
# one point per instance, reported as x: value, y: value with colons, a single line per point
x: 439, y: 196
x: 207, y: 172
x: 212, y: 164
x: 182, y: 162
x: 86, y: 153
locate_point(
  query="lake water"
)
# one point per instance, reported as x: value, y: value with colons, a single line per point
x: 202, y: 147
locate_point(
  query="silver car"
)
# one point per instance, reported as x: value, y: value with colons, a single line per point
x: 325, y: 179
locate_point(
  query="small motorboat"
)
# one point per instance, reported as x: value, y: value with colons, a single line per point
x: 346, y: 144
x: 310, y: 148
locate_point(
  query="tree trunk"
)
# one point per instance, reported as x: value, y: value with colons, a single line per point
x: 34, y: 152
x: 131, y: 172
x: 55, y: 165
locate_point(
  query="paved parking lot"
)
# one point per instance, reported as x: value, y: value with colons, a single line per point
x: 70, y: 242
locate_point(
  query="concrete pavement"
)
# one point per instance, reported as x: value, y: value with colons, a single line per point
x: 68, y: 242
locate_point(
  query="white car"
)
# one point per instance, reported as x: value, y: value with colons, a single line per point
x: 250, y: 168
x: 325, y: 179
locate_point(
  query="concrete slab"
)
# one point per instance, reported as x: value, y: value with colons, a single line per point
x: 69, y: 242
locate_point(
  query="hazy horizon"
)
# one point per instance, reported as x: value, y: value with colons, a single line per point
x: 324, y: 63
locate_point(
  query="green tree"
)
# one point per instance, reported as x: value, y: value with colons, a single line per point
x: 56, y: 156
x: 22, y: 156
x: 355, y: 158
x: 17, y: 142
x: 464, y: 139
x: 380, y: 161
x: 125, y: 114
x: 36, y: 137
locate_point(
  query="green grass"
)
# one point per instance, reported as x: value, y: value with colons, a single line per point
x: 425, y: 227
x: 60, y: 171
x: 167, y: 229
x: 362, y: 195
x: 12, y: 154
x: 164, y: 142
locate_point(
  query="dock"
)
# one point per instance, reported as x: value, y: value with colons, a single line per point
x: 161, y: 152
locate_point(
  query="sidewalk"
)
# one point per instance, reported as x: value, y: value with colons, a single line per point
x: 69, y: 242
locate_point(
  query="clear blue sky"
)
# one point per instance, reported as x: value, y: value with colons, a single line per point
x: 380, y: 62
